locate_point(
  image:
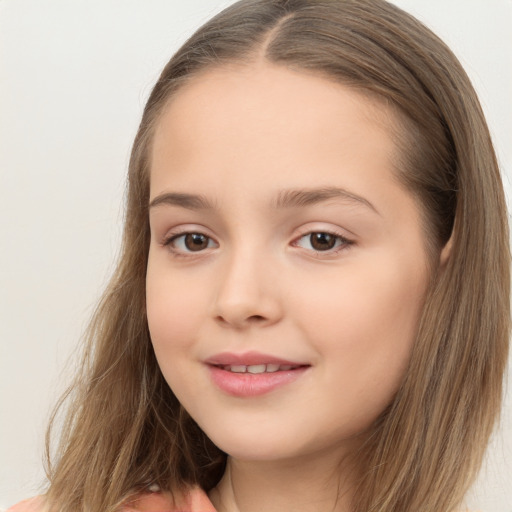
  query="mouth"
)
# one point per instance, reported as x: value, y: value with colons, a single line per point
x: 253, y: 374
x: 253, y: 362
x: 258, y: 368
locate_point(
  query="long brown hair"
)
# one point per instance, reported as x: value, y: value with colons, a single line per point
x: 125, y: 429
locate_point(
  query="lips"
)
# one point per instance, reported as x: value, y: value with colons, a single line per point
x: 252, y: 373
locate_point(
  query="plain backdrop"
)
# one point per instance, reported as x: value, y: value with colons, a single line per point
x: 74, y: 76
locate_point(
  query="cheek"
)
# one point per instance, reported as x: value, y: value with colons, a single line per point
x: 173, y: 312
x: 174, y: 309
x: 365, y: 323
x: 362, y: 299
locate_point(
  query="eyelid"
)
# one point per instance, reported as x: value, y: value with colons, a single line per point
x: 179, y: 232
x: 183, y: 229
x: 344, y: 245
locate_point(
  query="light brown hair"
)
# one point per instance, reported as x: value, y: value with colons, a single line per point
x: 125, y: 429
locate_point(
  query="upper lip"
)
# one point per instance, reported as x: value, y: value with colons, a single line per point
x: 248, y: 359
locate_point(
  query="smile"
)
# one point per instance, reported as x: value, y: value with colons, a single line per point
x: 253, y: 374
x: 258, y: 368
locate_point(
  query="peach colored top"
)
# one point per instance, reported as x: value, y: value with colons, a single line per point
x: 194, y: 501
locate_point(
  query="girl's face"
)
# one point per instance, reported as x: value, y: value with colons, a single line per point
x: 281, y: 242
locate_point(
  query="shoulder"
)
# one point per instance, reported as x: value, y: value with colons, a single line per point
x: 31, y: 505
x: 192, y: 500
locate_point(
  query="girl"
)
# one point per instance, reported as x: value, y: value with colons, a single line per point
x: 311, y: 310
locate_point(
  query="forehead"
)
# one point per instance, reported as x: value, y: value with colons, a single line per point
x: 267, y: 97
x: 270, y: 115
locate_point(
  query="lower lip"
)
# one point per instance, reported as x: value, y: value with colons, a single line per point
x: 253, y: 384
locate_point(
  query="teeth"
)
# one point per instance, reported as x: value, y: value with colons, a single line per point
x: 258, y: 368
x: 238, y: 368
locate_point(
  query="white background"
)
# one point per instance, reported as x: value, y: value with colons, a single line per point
x: 74, y: 76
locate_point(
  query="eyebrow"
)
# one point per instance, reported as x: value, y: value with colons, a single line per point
x: 305, y: 197
x: 291, y: 198
x: 188, y: 201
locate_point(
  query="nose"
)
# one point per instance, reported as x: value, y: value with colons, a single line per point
x: 247, y: 293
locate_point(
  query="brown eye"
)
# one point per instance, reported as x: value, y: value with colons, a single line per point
x: 322, y: 241
x: 196, y: 241
x: 189, y: 242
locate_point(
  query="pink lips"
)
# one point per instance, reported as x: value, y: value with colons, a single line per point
x: 246, y: 382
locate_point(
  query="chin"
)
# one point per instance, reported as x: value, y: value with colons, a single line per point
x: 273, y: 445
x: 251, y: 445
x: 257, y: 451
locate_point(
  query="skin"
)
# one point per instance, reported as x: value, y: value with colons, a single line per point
x: 239, y: 137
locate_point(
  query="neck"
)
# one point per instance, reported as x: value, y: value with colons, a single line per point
x: 319, y: 484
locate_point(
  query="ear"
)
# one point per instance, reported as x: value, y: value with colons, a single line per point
x: 446, y: 252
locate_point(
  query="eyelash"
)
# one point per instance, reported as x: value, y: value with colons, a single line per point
x: 343, y: 242
x: 168, y: 242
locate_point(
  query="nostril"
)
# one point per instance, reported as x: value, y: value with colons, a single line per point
x: 252, y: 319
x: 256, y: 318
